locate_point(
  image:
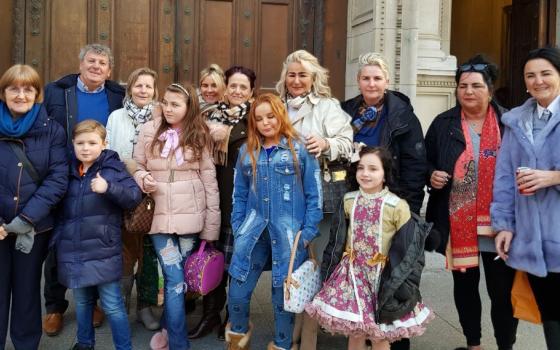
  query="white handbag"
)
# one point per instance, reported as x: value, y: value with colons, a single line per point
x: 301, y: 285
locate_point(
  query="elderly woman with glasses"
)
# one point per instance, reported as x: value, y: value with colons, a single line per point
x: 462, y: 145
x: 34, y: 173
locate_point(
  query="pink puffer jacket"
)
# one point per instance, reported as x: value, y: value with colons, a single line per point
x: 187, y: 197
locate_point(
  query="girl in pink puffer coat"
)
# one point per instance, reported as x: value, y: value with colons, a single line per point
x: 176, y: 167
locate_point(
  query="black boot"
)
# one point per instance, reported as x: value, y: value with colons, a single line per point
x: 552, y: 334
x: 212, y: 305
x: 190, y: 306
x: 222, y: 328
x: 82, y: 347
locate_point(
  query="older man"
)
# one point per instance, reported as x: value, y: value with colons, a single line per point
x: 69, y: 100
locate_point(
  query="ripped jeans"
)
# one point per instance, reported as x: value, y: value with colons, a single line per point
x: 172, y: 250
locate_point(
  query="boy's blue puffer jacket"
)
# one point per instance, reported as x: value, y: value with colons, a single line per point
x: 88, y: 232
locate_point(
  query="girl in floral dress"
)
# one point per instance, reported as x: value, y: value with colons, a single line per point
x: 382, y: 261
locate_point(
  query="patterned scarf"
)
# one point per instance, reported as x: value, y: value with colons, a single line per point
x: 225, y: 118
x: 364, y: 106
x: 471, y: 195
x: 138, y: 115
x: 205, y: 107
x: 171, y: 138
x: 298, y: 101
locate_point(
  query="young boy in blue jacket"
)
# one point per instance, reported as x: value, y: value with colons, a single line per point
x: 88, y: 233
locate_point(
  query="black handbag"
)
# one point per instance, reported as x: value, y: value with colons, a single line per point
x: 335, y: 184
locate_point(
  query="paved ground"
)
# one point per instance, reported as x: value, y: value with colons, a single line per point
x: 443, y: 333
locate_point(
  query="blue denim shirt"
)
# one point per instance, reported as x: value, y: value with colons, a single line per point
x: 279, y: 199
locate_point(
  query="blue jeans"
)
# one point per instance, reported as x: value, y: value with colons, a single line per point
x: 172, y: 250
x: 240, y: 297
x: 113, y: 306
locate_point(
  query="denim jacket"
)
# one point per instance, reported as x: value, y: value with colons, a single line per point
x: 279, y: 199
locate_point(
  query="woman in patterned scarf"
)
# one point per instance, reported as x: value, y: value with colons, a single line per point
x: 227, y: 121
x: 462, y: 144
x: 123, y: 128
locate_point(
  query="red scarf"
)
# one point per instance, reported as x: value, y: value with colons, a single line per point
x: 469, y: 202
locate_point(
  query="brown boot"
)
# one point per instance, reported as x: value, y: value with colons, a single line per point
x: 272, y: 346
x: 98, y: 316
x: 52, y: 324
x: 238, y: 341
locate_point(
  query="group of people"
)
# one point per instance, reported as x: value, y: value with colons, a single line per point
x: 260, y: 176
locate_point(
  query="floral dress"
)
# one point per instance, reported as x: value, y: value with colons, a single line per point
x: 348, y: 300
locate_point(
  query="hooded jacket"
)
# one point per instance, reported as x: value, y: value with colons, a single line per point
x: 402, y: 135
x: 88, y: 232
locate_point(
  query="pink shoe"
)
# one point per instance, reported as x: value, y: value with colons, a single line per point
x: 159, y: 341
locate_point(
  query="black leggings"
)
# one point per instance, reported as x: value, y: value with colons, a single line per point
x: 499, y: 280
x: 545, y: 290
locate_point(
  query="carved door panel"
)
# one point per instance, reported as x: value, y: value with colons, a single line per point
x: 177, y: 38
x: 256, y: 34
x: 140, y: 33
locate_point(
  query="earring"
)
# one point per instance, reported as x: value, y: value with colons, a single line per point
x: 527, y: 91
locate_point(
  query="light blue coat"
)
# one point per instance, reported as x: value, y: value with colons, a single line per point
x: 534, y: 220
x: 278, y: 198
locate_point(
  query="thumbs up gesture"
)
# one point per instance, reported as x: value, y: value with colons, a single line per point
x: 99, y: 184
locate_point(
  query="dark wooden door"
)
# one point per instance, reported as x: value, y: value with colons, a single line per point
x: 177, y: 38
x: 532, y: 25
x: 257, y: 34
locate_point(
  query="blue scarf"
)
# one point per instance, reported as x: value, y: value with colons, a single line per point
x: 19, y: 127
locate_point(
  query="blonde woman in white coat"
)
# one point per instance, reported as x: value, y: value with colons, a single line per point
x: 327, y: 134
x: 123, y: 128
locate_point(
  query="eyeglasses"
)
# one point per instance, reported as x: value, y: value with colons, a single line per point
x: 478, y: 67
x: 26, y: 90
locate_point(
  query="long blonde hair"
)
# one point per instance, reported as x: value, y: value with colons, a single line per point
x: 311, y: 64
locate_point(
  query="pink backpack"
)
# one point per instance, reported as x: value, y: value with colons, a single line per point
x: 204, y: 269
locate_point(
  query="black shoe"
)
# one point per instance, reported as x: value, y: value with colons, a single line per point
x: 205, y: 326
x: 222, y: 332
x: 82, y: 347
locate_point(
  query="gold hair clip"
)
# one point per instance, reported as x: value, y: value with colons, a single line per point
x: 180, y: 87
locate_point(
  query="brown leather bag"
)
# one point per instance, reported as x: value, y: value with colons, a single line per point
x: 139, y: 219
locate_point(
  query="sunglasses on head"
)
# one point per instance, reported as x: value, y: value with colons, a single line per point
x: 478, y: 67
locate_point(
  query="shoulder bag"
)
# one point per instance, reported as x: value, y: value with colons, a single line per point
x: 139, y: 220
x: 301, y: 285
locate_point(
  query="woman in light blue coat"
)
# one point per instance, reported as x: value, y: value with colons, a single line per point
x: 526, y: 199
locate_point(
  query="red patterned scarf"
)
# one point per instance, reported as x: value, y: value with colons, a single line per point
x: 469, y: 202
